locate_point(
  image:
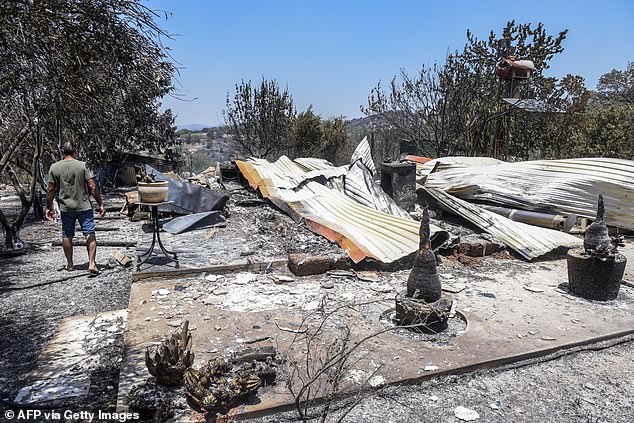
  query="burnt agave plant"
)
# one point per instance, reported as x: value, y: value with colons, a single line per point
x: 596, y: 240
x: 423, y: 282
x: 214, y: 386
x: 168, y: 361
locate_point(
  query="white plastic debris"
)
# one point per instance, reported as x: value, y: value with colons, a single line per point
x: 376, y: 381
x: 466, y: 414
x: 430, y: 368
x: 278, y: 279
x: 245, y: 278
x: 163, y: 291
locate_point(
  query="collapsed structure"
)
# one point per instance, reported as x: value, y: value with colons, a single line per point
x: 524, y: 205
x: 345, y: 205
x: 340, y: 203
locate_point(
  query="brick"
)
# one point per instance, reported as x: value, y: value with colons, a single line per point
x: 306, y: 264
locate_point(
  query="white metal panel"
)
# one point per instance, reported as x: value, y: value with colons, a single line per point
x: 364, y: 153
x: 553, y: 186
x: 362, y: 231
x: 529, y: 241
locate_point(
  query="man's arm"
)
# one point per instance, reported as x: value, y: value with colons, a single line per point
x: 94, y: 191
x: 50, y: 196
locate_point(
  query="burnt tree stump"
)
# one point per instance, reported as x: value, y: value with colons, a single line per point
x: 423, y: 281
x: 595, y: 278
x: 595, y: 272
x: 424, y: 307
x: 424, y: 317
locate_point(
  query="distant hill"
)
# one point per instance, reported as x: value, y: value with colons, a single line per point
x: 194, y: 126
x: 206, y: 144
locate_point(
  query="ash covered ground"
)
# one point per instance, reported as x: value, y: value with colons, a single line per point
x: 586, y: 385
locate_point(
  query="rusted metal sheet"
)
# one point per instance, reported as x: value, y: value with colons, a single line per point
x: 511, y: 68
x: 361, y: 230
x: 549, y: 186
x: 529, y: 241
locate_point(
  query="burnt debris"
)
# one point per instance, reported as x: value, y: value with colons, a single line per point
x: 168, y: 361
x: 596, y: 241
x: 424, y: 308
x: 221, y: 383
x: 595, y: 272
x: 423, y: 282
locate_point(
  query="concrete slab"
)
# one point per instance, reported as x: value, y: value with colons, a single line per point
x: 63, y: 368
x: 515, y: 310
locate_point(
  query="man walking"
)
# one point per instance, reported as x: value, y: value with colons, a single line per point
x: 73, y: 183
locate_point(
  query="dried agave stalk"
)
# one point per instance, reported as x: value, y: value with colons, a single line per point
x: 171, y: 358
x: 423, y: 282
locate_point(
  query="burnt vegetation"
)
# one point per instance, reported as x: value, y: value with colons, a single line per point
x: 91, y: 71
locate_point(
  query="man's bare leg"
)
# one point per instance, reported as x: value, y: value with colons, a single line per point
x: 91, y: 246
x: 67, y: 245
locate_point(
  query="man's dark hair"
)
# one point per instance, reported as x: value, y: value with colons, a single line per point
x: 68, y: 149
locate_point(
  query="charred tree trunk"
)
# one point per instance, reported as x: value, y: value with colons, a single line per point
x: 596, y: 239
x: 423, y: 282
x: 11, y: 229
x: 595, y: 272
x: 13, y: 147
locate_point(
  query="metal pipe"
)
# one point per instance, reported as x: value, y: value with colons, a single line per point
x: 545, y: 220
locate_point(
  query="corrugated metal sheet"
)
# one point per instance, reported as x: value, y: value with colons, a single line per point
x: 360, y: 230
x: 360, y: 186
x: 445, y: 163
x: 364, y: 153
x: 289, y: 174
x: 312, y: 163
x: 552, y: 186
x: 529, y: 241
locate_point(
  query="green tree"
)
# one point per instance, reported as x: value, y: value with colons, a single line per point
x: 565, y: 133
x: 334, y: 134
x: 596, y: 124
x: 260, y: 119
x: 617, y: 86
x: 314, y: 136
x: 610, y: 131
x: 307, y: 134
x: 455, y: 108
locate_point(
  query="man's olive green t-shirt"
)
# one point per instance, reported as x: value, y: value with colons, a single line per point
x: 69, y: 177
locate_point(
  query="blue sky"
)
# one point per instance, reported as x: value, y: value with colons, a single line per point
x: 331, y: 53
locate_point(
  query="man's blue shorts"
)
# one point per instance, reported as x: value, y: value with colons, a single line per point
x: 86, y: 220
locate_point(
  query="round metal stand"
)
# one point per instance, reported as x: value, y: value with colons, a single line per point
x: 156, y: 237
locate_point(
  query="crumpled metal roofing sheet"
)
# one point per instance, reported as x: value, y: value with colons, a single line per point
x: 187, y: 197
x: 360, y: 230
x: 312, y: 163
x: 552, y: 186
x: 444, y: 163
x: 529, y: 241
x: 364, y: 153
x: 360, y: 186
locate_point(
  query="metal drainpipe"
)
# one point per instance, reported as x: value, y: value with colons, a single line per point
x: 545, y: 220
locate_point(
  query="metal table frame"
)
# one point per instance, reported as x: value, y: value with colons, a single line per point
x: 171, y: 255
